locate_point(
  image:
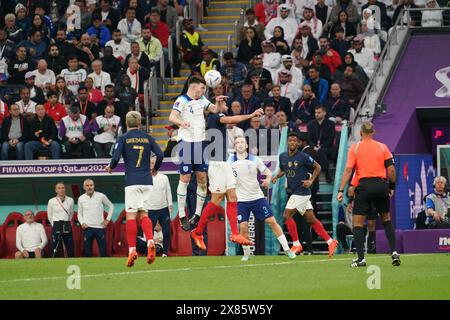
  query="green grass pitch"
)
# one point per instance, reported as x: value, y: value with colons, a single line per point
x: 263, y: 277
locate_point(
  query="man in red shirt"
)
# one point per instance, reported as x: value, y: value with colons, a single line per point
x: 159, y: 29
x: 330, y: 57
x: 55, y: 109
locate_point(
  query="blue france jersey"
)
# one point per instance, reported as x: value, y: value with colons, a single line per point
x: 296, y: 169
x: 136, y: 147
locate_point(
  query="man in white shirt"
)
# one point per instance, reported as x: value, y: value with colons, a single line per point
x: 106, y: 129
x: 130, y: 26
x: 250, y: 196
x: 286, y: 20
x: 26, y: 105
x: 60, y: 213
x: 363, y: 56
x: 121, y: 48
x: 288, y: 65
x: 100, y: 77
x: 44, y: 76
x: 73, y: 75
x: 161, y: 205
x: 90, y: 215
x: 30, y: 238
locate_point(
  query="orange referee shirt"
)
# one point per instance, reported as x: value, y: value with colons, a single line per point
x: 368, y: 158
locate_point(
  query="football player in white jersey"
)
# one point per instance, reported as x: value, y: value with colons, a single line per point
x: 250, y: 196
x: 188, y: 114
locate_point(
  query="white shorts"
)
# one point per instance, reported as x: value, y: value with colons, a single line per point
x: 220, y: 177
x: 137, y: 198
x: 301, y: 203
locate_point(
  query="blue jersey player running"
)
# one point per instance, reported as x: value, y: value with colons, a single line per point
x: 188, y: 113
x: 296, y: 164
x: 250, y: 196
x: 136, y: 147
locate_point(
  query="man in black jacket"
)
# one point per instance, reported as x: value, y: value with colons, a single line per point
x: 280, y: 102
x: 19, y: 66
x: 113, y: 16
x: 55, y: 61
x: 120, y: 108
x: 14, y: 133
x: 337, y: 105
x: 321, y: 137
x: 42, y: 134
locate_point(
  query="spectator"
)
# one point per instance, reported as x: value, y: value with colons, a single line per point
x: 87, y: 108
x: 438, y: 205
x: 330, y: 57
x: 26, y: 105
x: 31, y: 238
x: 351, y: 86
x: 125, y: 93
x: 129, y: 26
x: 4, y: 112
x: 371, y: 40
x: 310, y: 19
x: 265, y: 77
x: 249, y: 47
x: 168, y: 14
x: 90, y: 215
x: 120, y: 47
x: 100, y: 30
x: 111, y: 64
x: 324, y: 70
x: 251, y: 21
x: 412, y: 17
x: 385, y: 20
x: 347, y: 27
x: 35, y: 46
x: 258, y: 89
x: 60, y: 213
x: 151, y: 46
x: 73, y: 133
x: 54, y: 108
x: 279, y: 102
x: 269, y: 120
x: 22, y: 21
x: 94, y: 95
x: 66, y: 48
x: 120, y: 109
x: 258, y: 138
x: 14, y: 133
x: 73, y: 75
x: 6, y: 93
x: 446, y: 15
x: 106, y: 129
x: 347, y: 6
x: 42, y: 135
x: 249, y: 103
x: 303, y: 108
x: 101, y: 78
x: 321, y: 135
x: 137, y: 74
x: 309, y: 42
x: 266, y: 10
x: 359, y: 73
x: 172, y: 133
x: 300, y: 56
x: 288, y: 65
x: 40, y: 9
x: 432, y: 18
x: 44, y: 78
x: 337, y: 105
x: 318, y: 85
x: 322, y: 11
x: 279, y: 41
x: 158, y: 28
x: 110, y: 16
x: 286, y: 20
x: 160, y: 204
x: 36, y: 93
x: 37, y: 25
x: 12, y: 32
x: 7, y: 53
x: 235, y: 72
x: 19, y: 66
x: 283, y: 123
x: 363, y: 56
x: 65, y: 96
x: 339, y: 44
x: 209, y: 62
x: 287, y: 88
x: 191, y: 43
x: 87, y: 51
x: 271, y: 58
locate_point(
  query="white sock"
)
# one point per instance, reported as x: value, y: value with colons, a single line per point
x: 149, y: 242
x: 246, y: 250
x: 283, y: 241
x: 329, y: 241
x: 130, y: 249
x: 296, y: 243
x: 201, y: 196
x: 395, y: 252
x: 181, y: 198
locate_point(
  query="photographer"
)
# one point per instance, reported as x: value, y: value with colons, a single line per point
x: 438, y: 205
x: 60, y: 212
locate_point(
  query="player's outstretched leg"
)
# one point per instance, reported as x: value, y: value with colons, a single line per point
x: 197, y: 234
x: 276, y: 229
x: 320, y: 230
x: 131, y: 230
x: 147, y: 228
x: 292, y: 228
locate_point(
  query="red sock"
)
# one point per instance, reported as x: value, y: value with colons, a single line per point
x: 292, y: 228
x: 147, y: 227
x: 232, y: 217
x: 209, y: 210
x: 131, y: 230
x: 318, y: 228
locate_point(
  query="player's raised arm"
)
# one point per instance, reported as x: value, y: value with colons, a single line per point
x: 236, y: 119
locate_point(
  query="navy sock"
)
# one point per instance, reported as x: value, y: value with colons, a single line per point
x: 358, y: 236
x: 390, y: 234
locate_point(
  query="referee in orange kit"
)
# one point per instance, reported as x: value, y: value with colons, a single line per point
x: 370, y: 159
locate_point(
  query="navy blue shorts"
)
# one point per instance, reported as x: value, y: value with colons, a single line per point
x: 192, y: 157
x: 260, y: 209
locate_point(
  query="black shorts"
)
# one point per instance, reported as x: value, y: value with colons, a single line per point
x: 371, y: 192
x: 373, y: 215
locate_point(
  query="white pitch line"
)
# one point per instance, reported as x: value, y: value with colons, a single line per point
x: 191, y: 269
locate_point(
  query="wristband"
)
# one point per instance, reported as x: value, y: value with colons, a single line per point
x: 341, y: 191
x: 391, y: 185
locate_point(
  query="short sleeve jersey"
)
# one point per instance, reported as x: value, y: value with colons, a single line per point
x: 296, y: 169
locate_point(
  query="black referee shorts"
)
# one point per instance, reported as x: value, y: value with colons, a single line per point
x: 371, y: 192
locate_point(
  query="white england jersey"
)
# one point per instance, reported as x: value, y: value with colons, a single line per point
x: 246, y: 174
x: 193, y: 112
x: 73, y: 79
